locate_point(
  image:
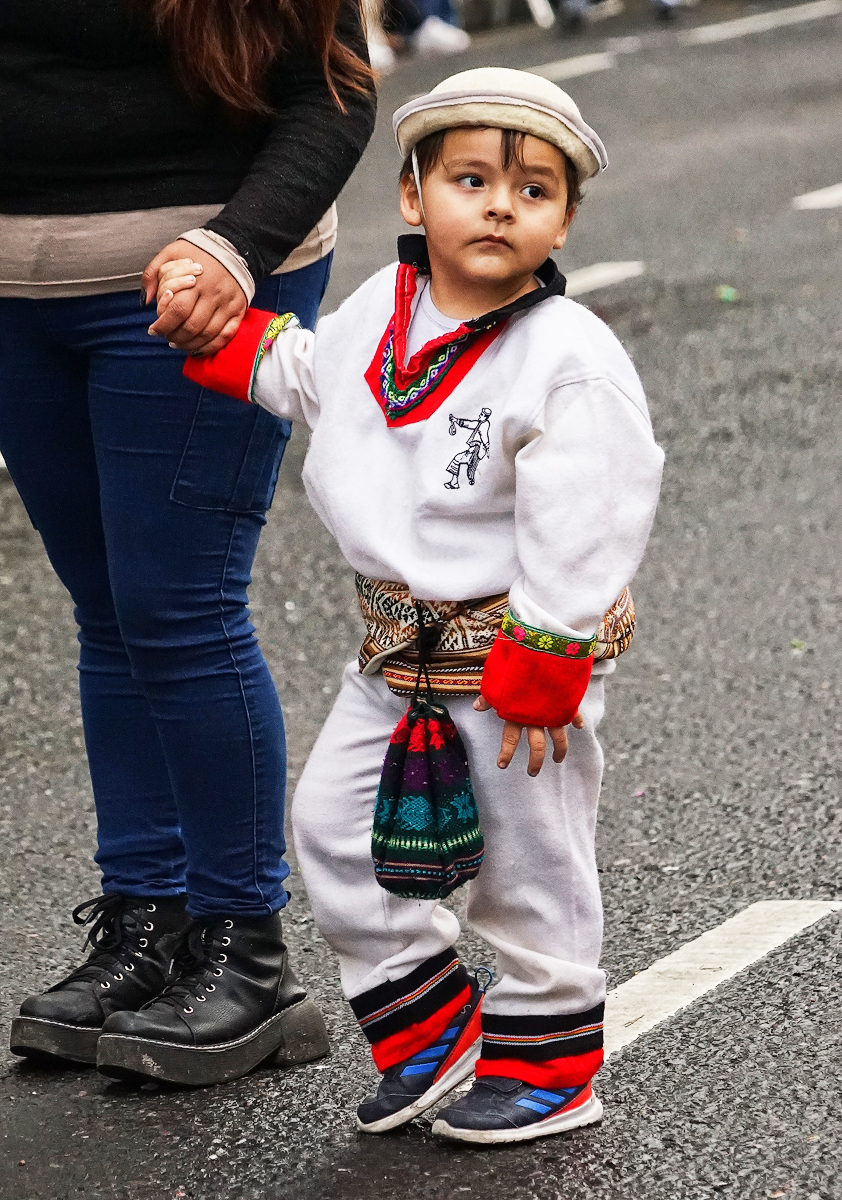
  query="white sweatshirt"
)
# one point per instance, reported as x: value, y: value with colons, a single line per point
x: 567, y: 471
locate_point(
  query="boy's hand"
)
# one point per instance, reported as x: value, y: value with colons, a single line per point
x: 535, y: 736
x: 175, y: 276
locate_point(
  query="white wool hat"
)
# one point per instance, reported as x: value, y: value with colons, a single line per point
x: 503, y: 99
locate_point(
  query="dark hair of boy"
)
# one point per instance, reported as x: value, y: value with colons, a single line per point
x: 429, y: 152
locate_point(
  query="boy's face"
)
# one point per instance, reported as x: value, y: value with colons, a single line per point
x: 489, y: 224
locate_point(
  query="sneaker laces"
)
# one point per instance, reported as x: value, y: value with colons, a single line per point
x: 114, y: 939
x: 193, y: 965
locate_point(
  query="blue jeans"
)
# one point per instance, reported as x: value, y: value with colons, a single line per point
x: 150, y: 494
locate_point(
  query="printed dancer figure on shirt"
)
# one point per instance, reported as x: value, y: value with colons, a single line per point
x: 479, y: 446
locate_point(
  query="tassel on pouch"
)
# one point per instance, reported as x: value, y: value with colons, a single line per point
x: 426, y: 838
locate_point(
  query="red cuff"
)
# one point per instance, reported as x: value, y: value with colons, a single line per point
x: 533, y: 687
x: 230, y: 370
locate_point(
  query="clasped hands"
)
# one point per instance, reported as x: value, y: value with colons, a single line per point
x: 200, y: 303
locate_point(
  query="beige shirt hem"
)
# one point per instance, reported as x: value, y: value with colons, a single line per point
x: 55, y: 257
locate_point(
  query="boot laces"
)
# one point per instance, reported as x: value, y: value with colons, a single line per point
x: 115, y: 935
x: 195, y: 966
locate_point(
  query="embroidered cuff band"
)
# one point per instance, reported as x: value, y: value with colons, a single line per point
x: 547, y: 643
x: 273, y: 330
x: 537, y: 1038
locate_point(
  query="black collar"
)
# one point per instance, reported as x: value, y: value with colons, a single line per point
x: 412, y: 250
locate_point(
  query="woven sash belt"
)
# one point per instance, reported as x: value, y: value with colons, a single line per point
x: 466, y: 632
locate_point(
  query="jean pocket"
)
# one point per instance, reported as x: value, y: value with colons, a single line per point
x: 231, y: 458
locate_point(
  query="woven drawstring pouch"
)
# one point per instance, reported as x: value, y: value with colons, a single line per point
x: 426, y: 838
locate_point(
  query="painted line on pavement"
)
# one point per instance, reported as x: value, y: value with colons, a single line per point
x: 829, y: 197
x: 702, y: 35
x: 701, y: 965
x: 723, y: 31
x: 569, y: 68
x: 600, y: 275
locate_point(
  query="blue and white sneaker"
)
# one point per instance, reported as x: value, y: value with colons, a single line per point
x: 416, y: 1084
x: 497, y: 1109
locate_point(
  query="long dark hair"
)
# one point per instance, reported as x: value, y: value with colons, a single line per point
x: 227, y: 46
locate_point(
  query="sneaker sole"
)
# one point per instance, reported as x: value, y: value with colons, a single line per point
x: 296, y: 1035
x: 52, y: 1041
x: 453, y: 1076
x: 586, y: 1114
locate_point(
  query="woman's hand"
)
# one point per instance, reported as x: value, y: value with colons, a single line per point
x: 535, y: 736
x: 203, y: 317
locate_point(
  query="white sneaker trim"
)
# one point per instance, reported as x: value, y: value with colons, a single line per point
x: 585, y: 1114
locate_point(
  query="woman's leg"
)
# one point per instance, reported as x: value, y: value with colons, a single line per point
x: 185, y: 479
x: 45, y: 438
x: 95, y: 361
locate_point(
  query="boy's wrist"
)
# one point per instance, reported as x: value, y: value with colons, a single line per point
x: 232, y: 369
x: 536, y: 686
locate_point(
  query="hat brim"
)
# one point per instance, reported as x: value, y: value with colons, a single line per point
x: 522, y: 116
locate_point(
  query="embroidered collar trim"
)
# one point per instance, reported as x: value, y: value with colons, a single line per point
x: 405, y: 390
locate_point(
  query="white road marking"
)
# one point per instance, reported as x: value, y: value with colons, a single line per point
x: 701, y: 965
x: 758, y: 23
x: 829, y: 197
x: 569, y: 68
x: 600, y: 275
x: 2, y: 463
x: 702, y: 35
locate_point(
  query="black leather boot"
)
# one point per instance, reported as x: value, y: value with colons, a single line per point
x: 133, y: 940
x: 233, y: 1002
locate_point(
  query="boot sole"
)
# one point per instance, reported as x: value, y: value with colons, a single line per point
x: 296, y: 1035
x: 586, y: 1114
x: 52, y: 1041
x: 461, y: 1070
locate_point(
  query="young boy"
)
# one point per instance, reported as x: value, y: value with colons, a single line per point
x: 480, y: 445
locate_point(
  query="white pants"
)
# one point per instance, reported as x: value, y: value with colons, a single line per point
x: 536, y: 899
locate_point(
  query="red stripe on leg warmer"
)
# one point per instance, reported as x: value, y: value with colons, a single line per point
x: 409, y: 1041
x: 553, y: 1072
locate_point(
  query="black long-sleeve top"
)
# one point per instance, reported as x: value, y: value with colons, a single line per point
x: 93, y: 119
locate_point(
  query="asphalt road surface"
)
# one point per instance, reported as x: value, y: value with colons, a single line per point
x: 723, y: 732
